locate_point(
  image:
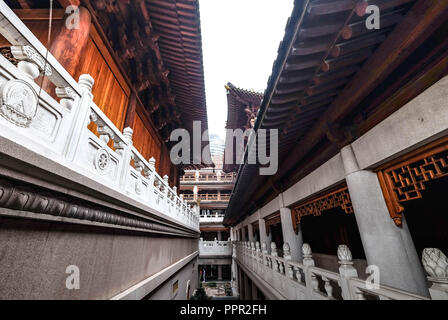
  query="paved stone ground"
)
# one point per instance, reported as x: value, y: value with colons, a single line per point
x: 218, y: 291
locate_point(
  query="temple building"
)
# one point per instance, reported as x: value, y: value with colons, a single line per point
x: 356, y: 209
x: 90, y: 205
x: 93, y: 207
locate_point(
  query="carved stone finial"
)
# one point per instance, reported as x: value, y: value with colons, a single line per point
x: 165, y: 178
x: 344, y: 255
x: 252, y: 245
x: 175, y: 190
x: 257, y: 246
x: 152, y: 163
x: 286, y: 251
x: 86, y: 82
x: 306, y: 251
x: 274, y: 249
x: 435, y: 263
x: 264, y: 247
x: 128, y: 132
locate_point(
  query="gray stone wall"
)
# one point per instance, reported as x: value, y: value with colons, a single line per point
x: 34, y: 256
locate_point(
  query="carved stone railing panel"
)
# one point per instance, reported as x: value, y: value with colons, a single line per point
x: 215, y: 248
x: 59, y: 131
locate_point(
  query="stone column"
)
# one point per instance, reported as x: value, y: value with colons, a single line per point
x: 264, y: 238
x: 387, y: 246
x: 247, y: 288
x: 243, y: 234
x: 234, y: 276
x: 250, y: 231
x: 294, y: 240
x: 254, y: 292
x: 219, y: 235
x: 241, y: 282
x: 219, y: 272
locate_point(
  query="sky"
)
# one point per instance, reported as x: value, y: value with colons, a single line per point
x: 240, y: 39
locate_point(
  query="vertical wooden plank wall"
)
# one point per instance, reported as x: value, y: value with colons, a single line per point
x: 111, y: 90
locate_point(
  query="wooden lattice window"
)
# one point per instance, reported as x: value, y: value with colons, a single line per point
x: 404, y: 179
x: 271, y: 220
x: 338, y: 198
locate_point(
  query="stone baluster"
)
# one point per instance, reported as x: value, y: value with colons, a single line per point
x: 166, y: 185
x: 287, y: 257
x: 127, y: 157
x: 358, y: 294
x: 299, y: 275
x: 106, y: 134
x: 149, y: 174
x: 264, y: 250
x: 67, y: 95
x: 328, y: 287
x: 346, y: 271
x: 435, y: 264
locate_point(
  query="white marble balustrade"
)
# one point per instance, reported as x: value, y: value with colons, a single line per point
x: 58, y: 130
x: 303, y: 281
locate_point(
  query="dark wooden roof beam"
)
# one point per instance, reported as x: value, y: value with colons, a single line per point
x: 312, y: 46
x: 362, y: 5
x: 347, y: 47
x: 352, y: 59
x: 359, y: 28
x: 323, y: 7
x: 315, y: 90
x: 326, y: 77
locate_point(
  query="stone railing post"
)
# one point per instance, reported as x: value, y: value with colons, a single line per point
x: 127, y: 157
x: 81, y: 117
x: 346, y: 271
x: 274, y: 249
x: 308, y: 262
x: 435, y: 264
x: 149, y: 174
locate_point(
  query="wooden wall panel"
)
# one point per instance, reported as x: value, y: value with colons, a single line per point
x: 111, y: 92
x: 147, y: 145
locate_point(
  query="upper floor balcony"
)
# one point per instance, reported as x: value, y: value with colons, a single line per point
x: 211, y: 218
x: 66, y: 129
x: 207, y: 197
x: 216, y: 249
x: 198, y: 178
